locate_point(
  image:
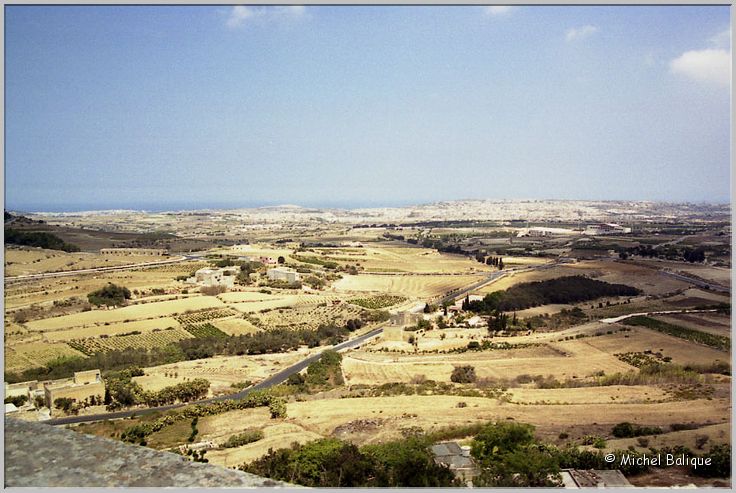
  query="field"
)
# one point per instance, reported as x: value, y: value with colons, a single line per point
x: 707, y: 322
x: 110, y: 329
x: 133, y: 341
x: 221, y: 371
x: 128, y: 313
x: 306, y: 316
x: 644, y: 278
x: 585, y: 412
x: 414, y: 286
x: 641, y: 339
x: 30, y: 354
x: 401, y: 259
x: 553, y: 374
x: 26, y: 260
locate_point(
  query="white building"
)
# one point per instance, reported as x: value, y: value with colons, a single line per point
x: 283, y: 274
x: 539, y: 231
x: 606, y: 229
x: 214, y: 277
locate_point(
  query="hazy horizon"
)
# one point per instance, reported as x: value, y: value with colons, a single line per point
x: 172, y: 207
x: 141, y: 107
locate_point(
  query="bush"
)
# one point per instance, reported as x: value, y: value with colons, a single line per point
x: 629, y: 430
x: 110, y: 295
x: 244, y: 438
x: 17, y: 400
x: 463, y: 374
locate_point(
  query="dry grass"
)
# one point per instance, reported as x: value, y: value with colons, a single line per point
x: 34, y: 261
x: 641, y: 339
x: 133, y: 312
x: 718, y: 433
x: 143, y: 326
x: 713, y: 323
x: 423, y: 286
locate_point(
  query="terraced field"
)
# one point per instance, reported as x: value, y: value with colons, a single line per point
x: 133, y: 341
x: 419, y: 286
x: 307, y: 317
x: 128, y: 313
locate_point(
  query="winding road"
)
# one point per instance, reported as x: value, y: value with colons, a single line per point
x: 282, y: 375
x: 275, y: 379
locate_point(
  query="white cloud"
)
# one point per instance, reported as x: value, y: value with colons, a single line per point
x: 576, y: 33
x: 722, y: 39
x: 239, y: 14
x: 498, y: 9
x: 711, y: 66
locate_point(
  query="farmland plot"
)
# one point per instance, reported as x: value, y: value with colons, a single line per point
x: 134, y: 312
x: 134, y: 341
x: 38, y: 354
x: 404, y: 285
x: 112, y: 329
x: 307, y: 317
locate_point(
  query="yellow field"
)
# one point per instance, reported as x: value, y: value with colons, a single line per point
x: 47, y: 290
x: 407, y: 259
x: 404, y: 285
x: 641, y: 339
x: 648, y: 280
x: 236, y: 326
x: 34, y: 261
x: 143, y: 326
x: 707, y: 322
x: 619, y: 394
x: 488, y: 364
x: 277, y: 435
x: 134, y: 312
x: 34, y: 354
x: 221, y: 371
x: 719, y: 433
x: 321, y: 417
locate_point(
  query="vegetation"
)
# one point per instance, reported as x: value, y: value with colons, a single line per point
x: 463, y: 374
x: 570, y: 289
x: 17, y: 400
x: 263, y: 342
x: 110, y: 295
x: 138, y: 433
x: 38, y: 239
x: 244, y: 438
x: 205, y: 330
x: 330, y: 462
x: 508, y: 457
x: 377, y: 302
x: 715, y: 341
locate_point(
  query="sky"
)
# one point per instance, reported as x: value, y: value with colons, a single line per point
x: 159, y: 107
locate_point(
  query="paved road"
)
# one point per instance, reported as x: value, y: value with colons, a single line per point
x: 698, y: 282
x: 268, y: 382
x: 283, y: 374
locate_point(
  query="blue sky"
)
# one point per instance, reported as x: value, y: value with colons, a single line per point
x: 151, y: 107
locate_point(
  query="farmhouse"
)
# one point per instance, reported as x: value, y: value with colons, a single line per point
x: 457, y: 458
x: 213, y: 277
x: 283, y: 274
x: 82, y: 386
x: 133, y: 251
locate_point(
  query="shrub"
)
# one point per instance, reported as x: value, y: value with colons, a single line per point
x: 463, y: 374
x: 244, y: 438
x: 110, y: 295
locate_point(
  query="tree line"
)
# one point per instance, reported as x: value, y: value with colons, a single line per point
x: 39, y: 239
x: 569, y: 289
